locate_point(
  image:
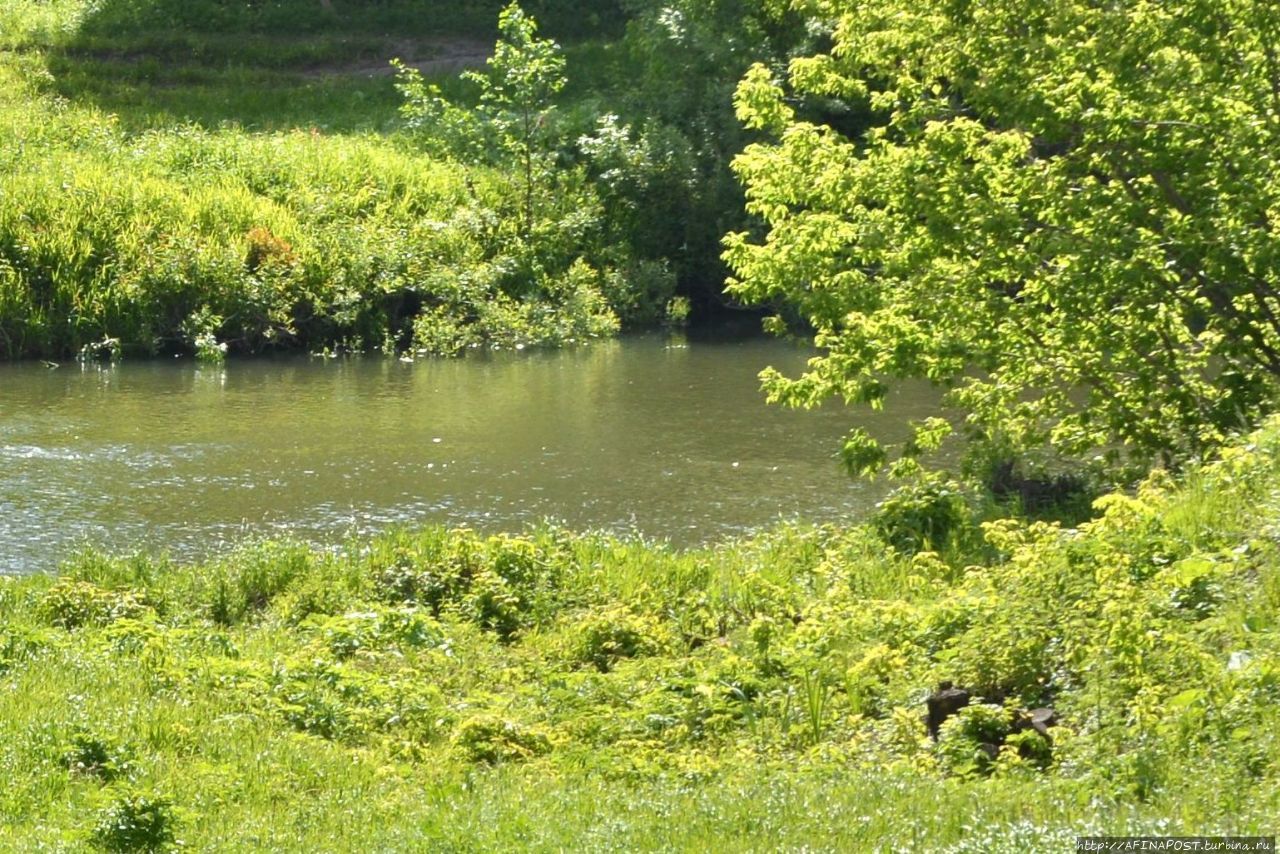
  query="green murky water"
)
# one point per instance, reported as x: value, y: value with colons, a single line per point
x: 669, y: 437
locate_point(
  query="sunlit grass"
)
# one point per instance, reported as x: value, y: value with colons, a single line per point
x: 756, y: 695
x: 252, y: 189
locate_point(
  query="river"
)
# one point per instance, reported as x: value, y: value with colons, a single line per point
x: 663, y: 436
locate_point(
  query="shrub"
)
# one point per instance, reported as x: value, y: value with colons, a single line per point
x: 969, y: 742
x: 643, y: 294
x: 315, y: 698
x: 96, y: 756
x: 137, y: 822
x: 429, y: 568
x: 491, y: 739
x: 71, y: 604
x: 1031, y: 747
x: 346, y: 635
x: 605, y: 636
x: 17, y: 644
x: 249, y: 581
x: 922, y: 515
x: 265, y: 248
x: 501, y: 583
x: 493, y: 604
x: 867, y: 681
x: 315, y: 594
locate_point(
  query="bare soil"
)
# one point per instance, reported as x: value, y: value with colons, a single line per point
x: 432, y: 57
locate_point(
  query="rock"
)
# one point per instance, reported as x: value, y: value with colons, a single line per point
x: 1238, y: 661
x: 942, y: 704
x: 992, y: 750
x: 1037, y: 719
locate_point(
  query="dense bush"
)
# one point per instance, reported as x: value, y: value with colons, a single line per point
x: 923, y: 515
x: 605, y: 636
x: 1056, y: 211
x: 304, y: 242
x: 970, y: 741
x: 137, y: 822
x: 72, y: 604
x: 493, y: 739
x: 96, y: 757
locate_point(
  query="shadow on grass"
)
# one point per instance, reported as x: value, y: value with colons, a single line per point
x: 279, y: 64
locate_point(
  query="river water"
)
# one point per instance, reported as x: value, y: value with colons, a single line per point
x: 664, y: 436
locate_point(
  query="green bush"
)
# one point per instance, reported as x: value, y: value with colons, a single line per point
x: 402, y: 629
x: 18, y: 644
x: 71, y: 604
x: 604, y: 636
x: 247, y: 585
x: 96, y: 756
x: 491, y: 739
x: 970, y: 740
x: 923, y: 515
x: 501, y: 583
x: 137, y: 822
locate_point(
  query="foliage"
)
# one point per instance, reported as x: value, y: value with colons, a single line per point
x: 424, y: 682
x: 72, y: 604
x: 252, y: 130
x: 231, y: 241
x: 516, y: 127
x: 137, y: 822
x: 922, y: 515
x: 516, y: 96
x: 606, y: 636
x: 491, y: 739
x: 455, y: 690
x: 661, y: 146
x: 96, y: 757
x: 967, y: 742
x: 1061, y: 212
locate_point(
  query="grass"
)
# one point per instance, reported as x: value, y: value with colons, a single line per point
x: 439, y: 689
x: 170, y: 175
x: 171, y: 179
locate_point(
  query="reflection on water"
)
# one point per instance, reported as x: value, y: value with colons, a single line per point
x: 667, y: 437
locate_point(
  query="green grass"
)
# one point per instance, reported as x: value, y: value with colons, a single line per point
x: 271, y: 66
x: 443, y: 690
x: 164, y: 186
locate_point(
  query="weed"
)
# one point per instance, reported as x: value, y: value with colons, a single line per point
x: 137, y: 822
x: 487, y: 738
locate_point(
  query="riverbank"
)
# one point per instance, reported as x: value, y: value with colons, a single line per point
x: 442, y: 689
x: 169, y: 186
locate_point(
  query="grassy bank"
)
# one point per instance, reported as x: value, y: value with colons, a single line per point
x: 170, y: 184
x: 449, y: 691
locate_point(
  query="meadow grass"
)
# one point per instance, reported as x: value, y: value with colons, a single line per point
x: 436, y: 689
x: 172, y: 186
x: 170, y: 175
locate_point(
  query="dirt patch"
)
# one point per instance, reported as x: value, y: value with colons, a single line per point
x: 360, y: 55
x: 434, y: 57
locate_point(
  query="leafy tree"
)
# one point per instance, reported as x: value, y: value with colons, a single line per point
x: 1063, y: 211
x: 664, y: 160
x: 525, y: 74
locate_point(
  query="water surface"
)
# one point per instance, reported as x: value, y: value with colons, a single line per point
x: 667, y: 437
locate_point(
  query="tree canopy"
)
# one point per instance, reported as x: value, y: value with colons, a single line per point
x: 1063, y: 211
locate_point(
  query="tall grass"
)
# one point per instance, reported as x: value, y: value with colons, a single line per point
x: 154, y: 235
